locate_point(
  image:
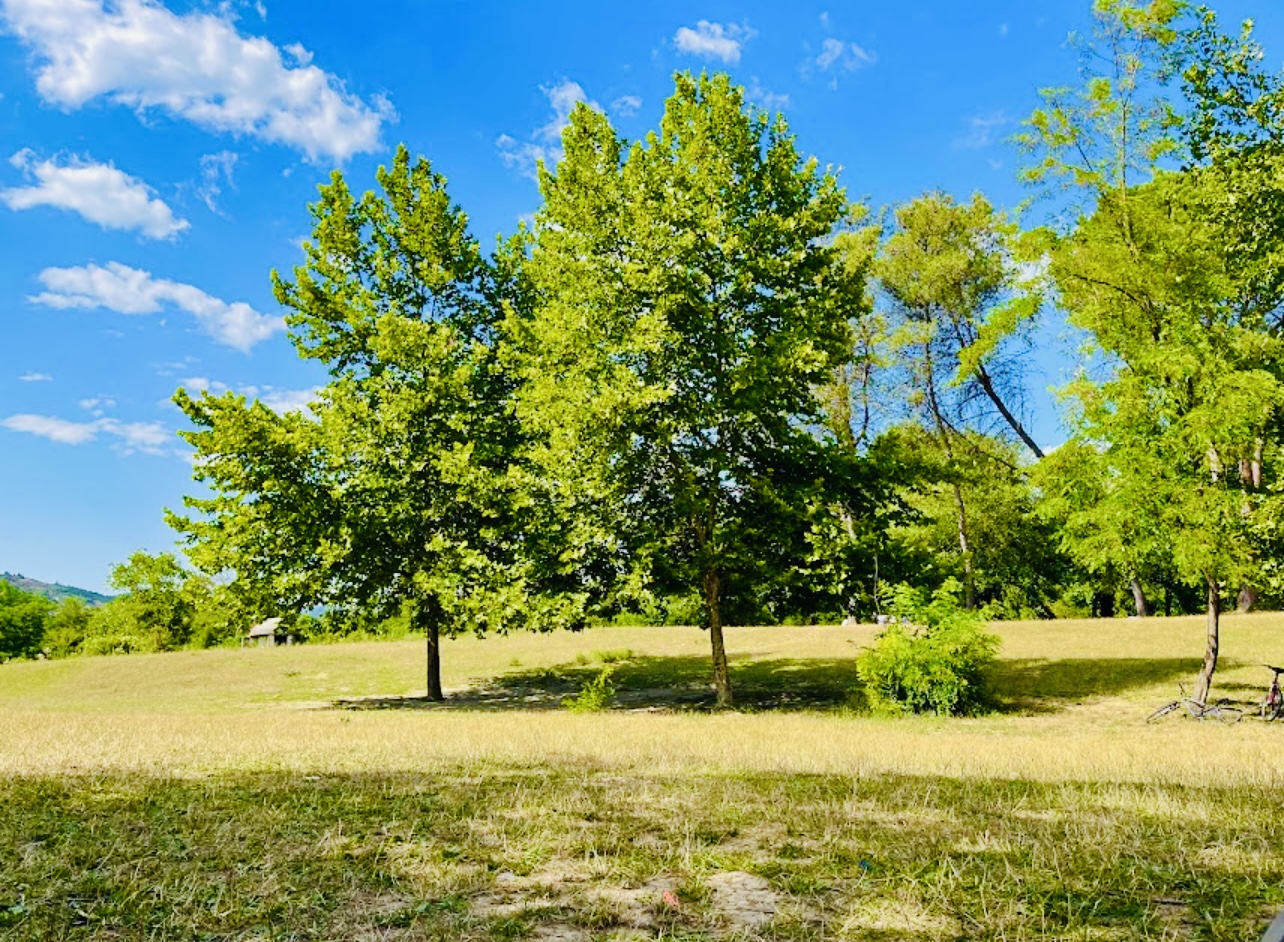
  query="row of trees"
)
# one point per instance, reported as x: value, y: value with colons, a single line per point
x: 163, y: 606
x: 703, y: 374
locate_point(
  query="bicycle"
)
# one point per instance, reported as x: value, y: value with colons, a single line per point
x: 1273, y: 705
x: 1221, y: 710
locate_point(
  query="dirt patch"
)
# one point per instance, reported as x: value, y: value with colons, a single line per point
x: 743, y: 899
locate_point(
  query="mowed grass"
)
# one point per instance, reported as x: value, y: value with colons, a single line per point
x: 308, y: 793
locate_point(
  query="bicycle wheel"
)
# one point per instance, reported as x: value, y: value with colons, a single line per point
x: 1163, y: 711
x: 1226, y: 714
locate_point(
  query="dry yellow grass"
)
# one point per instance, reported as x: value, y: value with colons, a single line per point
x: 1084, y: 688
x: 222, y: 794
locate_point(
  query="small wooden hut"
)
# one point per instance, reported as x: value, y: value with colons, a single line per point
x: 267, y: 634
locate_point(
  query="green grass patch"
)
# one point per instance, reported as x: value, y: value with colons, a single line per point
x: 312, y: 793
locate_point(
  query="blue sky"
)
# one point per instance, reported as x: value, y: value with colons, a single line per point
x: 156, y: 162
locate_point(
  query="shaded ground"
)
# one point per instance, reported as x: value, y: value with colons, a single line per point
x: 571, y: 853
x: 682, y: 684
x: 653, y: 683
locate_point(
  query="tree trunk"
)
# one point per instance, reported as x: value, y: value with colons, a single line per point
x: 1205, y: 682
x: 987, y: 384
x: 969, y: 576
x: 1139, y: 598
x: 428, y: 617
x: 1246, y: 600
x: 713, y: 602
x: 1104, y: 603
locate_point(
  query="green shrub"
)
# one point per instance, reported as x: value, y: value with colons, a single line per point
x: 934, y: 660
x: 596, y: 695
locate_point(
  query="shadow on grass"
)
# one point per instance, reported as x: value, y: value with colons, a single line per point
x: 682, y: 684
x: 1041, y: 686
x: 492, y: 851
x: 649, y: 684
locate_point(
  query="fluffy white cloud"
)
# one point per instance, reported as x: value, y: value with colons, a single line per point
x: 128, y: 290
x: 626, y: 106
x: 196, y: 66
x: 98, y: 192
x: 149, y: 437
x: 713, y: 40
x: 216, y: 173
x: 277, y: 399
x: 836, y: 55
x: 35, y: 377
x: 546, y: 142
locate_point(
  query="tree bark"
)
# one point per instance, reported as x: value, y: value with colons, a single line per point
x: 713, y: 601
x: 1205, y: 682
x: 987, y: 384
x: 969, y: 576
x: 428, y: 617
x: 1139, y: 598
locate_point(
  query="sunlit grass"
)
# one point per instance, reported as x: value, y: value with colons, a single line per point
x: 222, y: 794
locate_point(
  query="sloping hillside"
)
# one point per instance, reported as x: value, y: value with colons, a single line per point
x: 54, y: 590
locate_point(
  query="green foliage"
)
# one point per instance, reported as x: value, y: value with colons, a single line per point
x: 688, y: 299
x: 22, y: 621
x: 156, y: 610
x: 67, y: 627
x: 397, y: 491
x: 935, y: 661
x: 596, y: 695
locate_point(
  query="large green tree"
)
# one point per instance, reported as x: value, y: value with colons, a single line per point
x: 688, y: 299
x: 1186, y: 389
x: 955, y: 296
x: 393, y: 492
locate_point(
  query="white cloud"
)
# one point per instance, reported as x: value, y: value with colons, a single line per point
x: 216, y: 172
x: 545, y: 144
x: 839, y: 56
x: 626, y: 106
x: 98, y: 192
x: 128, y: 290
x: 765, y: 99
x: 713, y: 40
x: 981, y: 130
x: 98, y: 405
x: 196, y: 66
x: 35, y: 378
x: 148, y: 437
x: 278, y: 400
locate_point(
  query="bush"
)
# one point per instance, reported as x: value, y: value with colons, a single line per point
x: 934, y: 660
x: 596, y: 695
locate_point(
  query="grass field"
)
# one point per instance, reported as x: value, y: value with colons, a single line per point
x: 306, y: 793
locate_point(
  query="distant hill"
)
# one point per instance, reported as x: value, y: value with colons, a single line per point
x: 54, y: 590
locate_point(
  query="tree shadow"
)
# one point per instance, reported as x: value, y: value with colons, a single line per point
x: 654, y: 684
x: 1036, y: 685
x: 684, y: 684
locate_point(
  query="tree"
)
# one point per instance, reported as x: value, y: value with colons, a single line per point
x: 394, y: 491
x: 22, y: 621
x: 955, y: 296
x: 68, y: 627
x: 958, y: 294
x: 1014, y: 564
x: 1188, y: 387
x: 688, y: 301
x: 155, y: 599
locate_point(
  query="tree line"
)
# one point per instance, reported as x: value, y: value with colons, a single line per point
x: 703, y: 385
